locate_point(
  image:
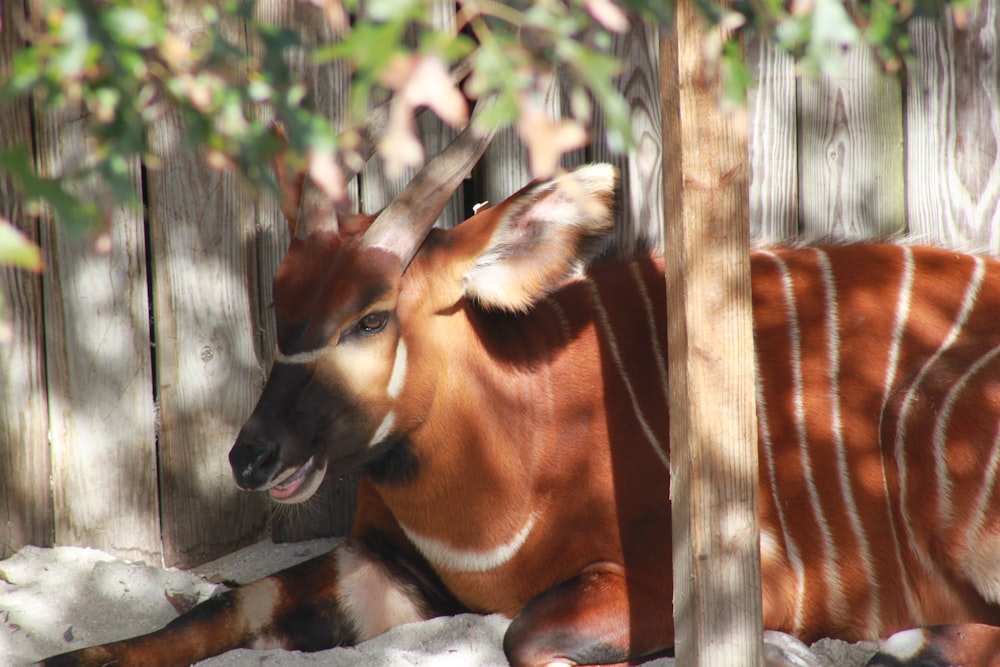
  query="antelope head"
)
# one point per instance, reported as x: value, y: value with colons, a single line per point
x: 372, y: 313
x: 335, y: 295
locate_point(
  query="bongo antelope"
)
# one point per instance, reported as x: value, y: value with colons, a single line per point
x: 505, y: 395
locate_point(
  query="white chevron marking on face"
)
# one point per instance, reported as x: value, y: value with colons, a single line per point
x: 383, y: 430
x: 398, y: 376
x: 307, y: 357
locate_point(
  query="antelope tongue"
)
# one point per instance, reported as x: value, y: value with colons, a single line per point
x: 287, y: 488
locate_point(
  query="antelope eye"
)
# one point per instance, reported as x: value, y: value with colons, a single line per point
x: 373, y: 322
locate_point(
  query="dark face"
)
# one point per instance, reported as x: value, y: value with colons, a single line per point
x: 329, y: 401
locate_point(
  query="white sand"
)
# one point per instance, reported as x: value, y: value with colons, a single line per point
x: 54, y: 600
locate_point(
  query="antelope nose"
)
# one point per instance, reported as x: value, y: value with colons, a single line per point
x: 254, y: 463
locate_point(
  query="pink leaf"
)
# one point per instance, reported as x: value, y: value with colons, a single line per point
x: 608, y: 14
x: 327, y: 175
x: 546, y: 139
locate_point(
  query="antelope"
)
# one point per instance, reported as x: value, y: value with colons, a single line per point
x: 503, y: 390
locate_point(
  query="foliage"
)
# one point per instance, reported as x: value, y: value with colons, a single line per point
x: 127, y: 63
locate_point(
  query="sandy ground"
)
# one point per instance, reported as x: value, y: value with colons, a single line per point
x: 53, y: 600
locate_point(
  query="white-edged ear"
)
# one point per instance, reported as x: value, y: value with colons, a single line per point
x: 546, y: 235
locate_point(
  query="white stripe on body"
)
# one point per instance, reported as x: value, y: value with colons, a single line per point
x: 835, y: 601
x: 902, y: 316
x: 791, y: 547
x: 968, y: 302
x: 609, y: 336
x: 455, y: 559
x: 654, y: 336
x: 946, y: 514
x: 977, y: 559
x: 982, y: 511
x: 837, y: 426
x: 561, y: 318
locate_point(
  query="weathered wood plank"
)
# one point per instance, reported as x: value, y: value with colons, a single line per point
x: 25, y: 493
x: 771, y: 119
x: 504, y: 168
x: 331, y: 510
x: 713, y: 447
x: 204, y: 279
x: 376, y: 187
x: 851, y: 152
x: 436, y: 134
x: 953, y: 131
x: 640, y: 207
x: 99, y: 367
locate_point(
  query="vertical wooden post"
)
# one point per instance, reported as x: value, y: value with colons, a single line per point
x: 952, y: 113
x: 99, y: 374
x: 850, y: 151
x: 26, y: 513
x: 204, y: 271
x: 713, y: 445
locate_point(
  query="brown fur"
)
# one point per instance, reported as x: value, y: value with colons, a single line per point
x: 521, y: 463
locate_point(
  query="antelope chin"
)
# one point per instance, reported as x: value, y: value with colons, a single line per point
x: 299, y: 484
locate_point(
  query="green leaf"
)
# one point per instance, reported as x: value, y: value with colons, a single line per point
x: 17, y: 250
x: 132, y: 25
x: 500, y: 113
x: 79, y: 217
x: 831, y: 28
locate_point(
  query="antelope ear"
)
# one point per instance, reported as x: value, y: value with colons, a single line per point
x: 290, y: 182
x: 545, y: 235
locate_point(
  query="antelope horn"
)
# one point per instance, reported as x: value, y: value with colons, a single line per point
x: 404, y: 224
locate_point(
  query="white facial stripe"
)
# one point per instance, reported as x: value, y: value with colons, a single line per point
x: 455, y: 559
x: 398, y: 371
x: 383, y: 430
x: 306, y: 357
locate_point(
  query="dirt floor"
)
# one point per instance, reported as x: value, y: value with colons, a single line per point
x: 53, y: 600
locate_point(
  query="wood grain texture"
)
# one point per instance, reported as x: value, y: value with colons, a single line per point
x: 204, y: 279
x: 376, y: 186
x: 25, y: 493
x: 713, y: 445
x: 772, y: 142
x: 437, y: 135
x: 640, y: 205
x: 330, y: 511
x: 99, y: 367
x: 851, y: 152
x: 953, y: 132
x: 504, y: 167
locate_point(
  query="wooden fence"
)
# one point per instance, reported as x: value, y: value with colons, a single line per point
x: 133, y: 363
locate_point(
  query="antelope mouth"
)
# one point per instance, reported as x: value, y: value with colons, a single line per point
x: 297, y: 484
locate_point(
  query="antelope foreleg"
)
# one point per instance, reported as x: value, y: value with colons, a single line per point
x: 592, y: 619
x: 339, y: 598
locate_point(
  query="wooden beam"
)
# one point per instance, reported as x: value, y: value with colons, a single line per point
x: 952, y: 125
x: 99, y: 369
x: 26, y: 512
x: 714, y: 478
x: 204, y: 273
x: 850, y: 152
